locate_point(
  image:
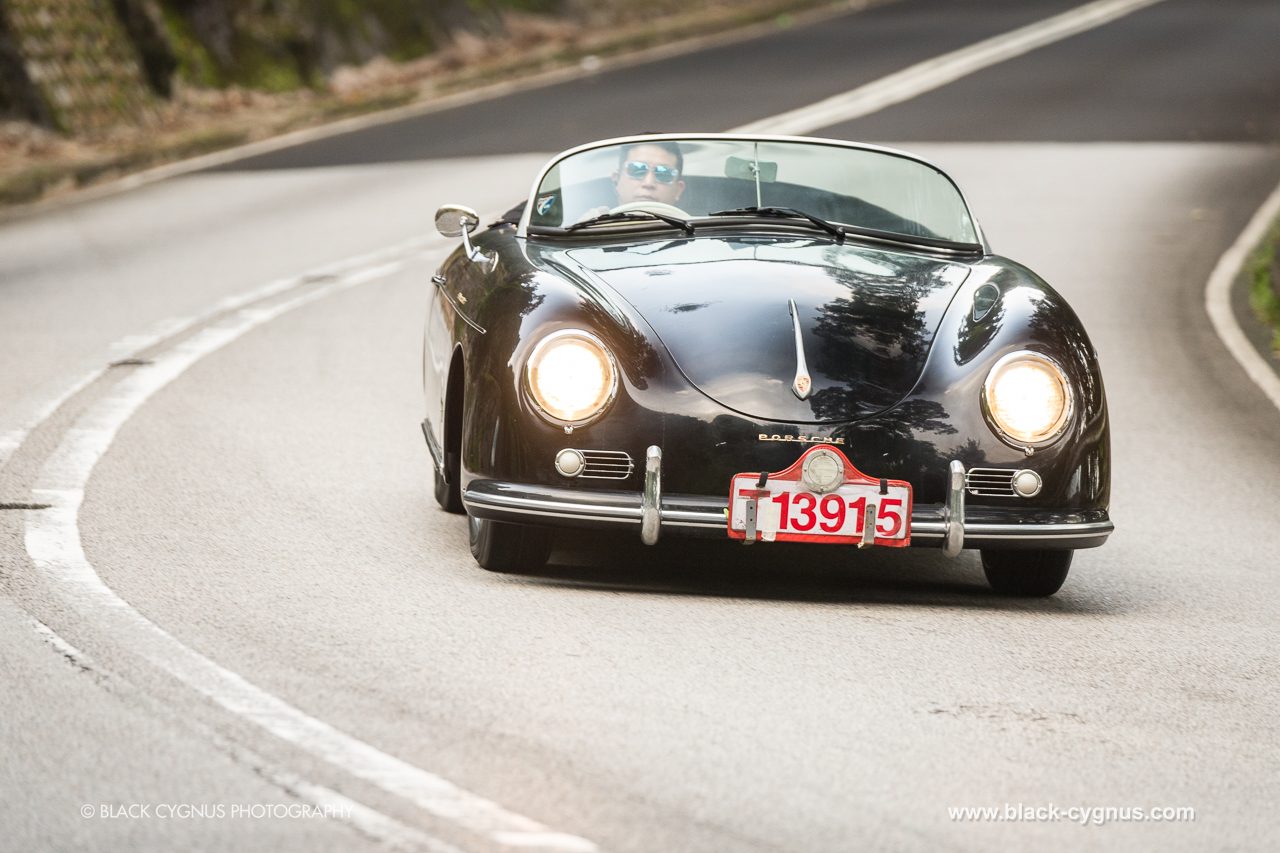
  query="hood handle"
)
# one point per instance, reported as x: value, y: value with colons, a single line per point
x: 802, y: 385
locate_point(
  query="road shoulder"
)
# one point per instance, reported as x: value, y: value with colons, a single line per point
x: 1227, y: 302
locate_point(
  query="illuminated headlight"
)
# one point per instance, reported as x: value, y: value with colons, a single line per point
x: 571, y: 376
x: 1028, y: 399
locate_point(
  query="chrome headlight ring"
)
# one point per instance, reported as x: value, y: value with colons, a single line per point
x: 571, y: 378
x: 1015, y: 377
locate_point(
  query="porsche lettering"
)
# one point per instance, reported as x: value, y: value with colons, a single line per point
x: 804, y: 439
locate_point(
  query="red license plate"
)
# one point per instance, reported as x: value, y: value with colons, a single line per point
x: 789, y: 509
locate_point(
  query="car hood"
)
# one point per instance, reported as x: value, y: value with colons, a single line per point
x: 721, y: 307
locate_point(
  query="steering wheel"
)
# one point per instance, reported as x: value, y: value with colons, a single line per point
x: 652, y: 207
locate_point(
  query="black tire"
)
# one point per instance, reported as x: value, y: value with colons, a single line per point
x: 448, y: 482
x: 448, y: 495
x: 1030, y: 574
x: 502, y: 547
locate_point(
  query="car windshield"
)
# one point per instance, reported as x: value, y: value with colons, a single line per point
x: 797, y: 181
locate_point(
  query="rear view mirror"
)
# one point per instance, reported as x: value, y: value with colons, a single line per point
x: 751, y: 170
x: 454, y: 220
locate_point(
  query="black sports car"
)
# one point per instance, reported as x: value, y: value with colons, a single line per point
x: 762, y: 339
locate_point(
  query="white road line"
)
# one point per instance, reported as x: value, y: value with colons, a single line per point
x: 53, y: 543
x: 391, y: 833
x: 48, y: 402
x: 61, y: 646
x: 1217, y: 299
x: 941, y: 70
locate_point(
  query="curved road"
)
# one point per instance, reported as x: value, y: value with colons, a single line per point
x: 264, y: 504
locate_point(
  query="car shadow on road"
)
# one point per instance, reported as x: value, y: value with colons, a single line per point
x: 791, y: 572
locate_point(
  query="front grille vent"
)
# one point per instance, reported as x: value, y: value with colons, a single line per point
x: 993, y: 482
x: 607, y: 464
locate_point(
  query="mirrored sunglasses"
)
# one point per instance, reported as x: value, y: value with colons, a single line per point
x: 636, y: 170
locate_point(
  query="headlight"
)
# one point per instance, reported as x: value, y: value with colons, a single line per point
x: 1028, y: 399
x: 571, y: 376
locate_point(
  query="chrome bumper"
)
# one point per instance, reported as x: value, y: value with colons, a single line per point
x: 951, y: 526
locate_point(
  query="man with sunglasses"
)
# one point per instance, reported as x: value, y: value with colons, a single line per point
x: 649, y: 171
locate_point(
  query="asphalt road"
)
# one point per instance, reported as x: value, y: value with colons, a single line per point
x: 270, y: 509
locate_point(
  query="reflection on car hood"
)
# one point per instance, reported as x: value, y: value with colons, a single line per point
x: 720, y: 306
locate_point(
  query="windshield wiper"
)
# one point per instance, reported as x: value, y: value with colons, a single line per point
x: 785, y: 213
x: 634, y: 216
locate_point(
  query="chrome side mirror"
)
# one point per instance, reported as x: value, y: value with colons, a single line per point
x: 454, y: 220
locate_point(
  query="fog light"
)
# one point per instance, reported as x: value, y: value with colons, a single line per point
x: 1027, y: 484
x: 823, y: 471
x: 570, y: 462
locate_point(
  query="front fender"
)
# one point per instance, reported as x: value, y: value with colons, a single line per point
x: 944, y: 410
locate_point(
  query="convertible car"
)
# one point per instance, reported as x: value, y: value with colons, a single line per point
x: 763, y: 339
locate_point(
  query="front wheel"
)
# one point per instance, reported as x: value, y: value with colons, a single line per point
x: 502, y: 547
x: 1031, y: 574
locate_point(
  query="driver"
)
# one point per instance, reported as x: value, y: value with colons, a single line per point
x: 649, y: 171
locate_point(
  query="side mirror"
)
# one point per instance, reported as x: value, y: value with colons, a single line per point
x: 454, y: 220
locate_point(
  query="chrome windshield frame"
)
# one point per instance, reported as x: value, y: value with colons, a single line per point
x: 522, y: 230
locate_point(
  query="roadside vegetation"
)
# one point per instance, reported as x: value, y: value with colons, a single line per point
x: 1263, y: 271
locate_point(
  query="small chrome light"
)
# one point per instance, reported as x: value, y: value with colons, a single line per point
x: 570, y: 462
x: 823, y: 471
x: 1027, y: 483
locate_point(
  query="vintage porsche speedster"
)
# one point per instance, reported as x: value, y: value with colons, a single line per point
x: 761, y: 339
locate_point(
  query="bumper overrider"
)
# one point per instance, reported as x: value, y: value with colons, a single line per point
x: 951, y: 526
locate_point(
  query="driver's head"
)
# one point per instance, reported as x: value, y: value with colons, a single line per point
x: 649, y: 171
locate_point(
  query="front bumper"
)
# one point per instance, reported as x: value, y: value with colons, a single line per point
x: 950, y: 526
